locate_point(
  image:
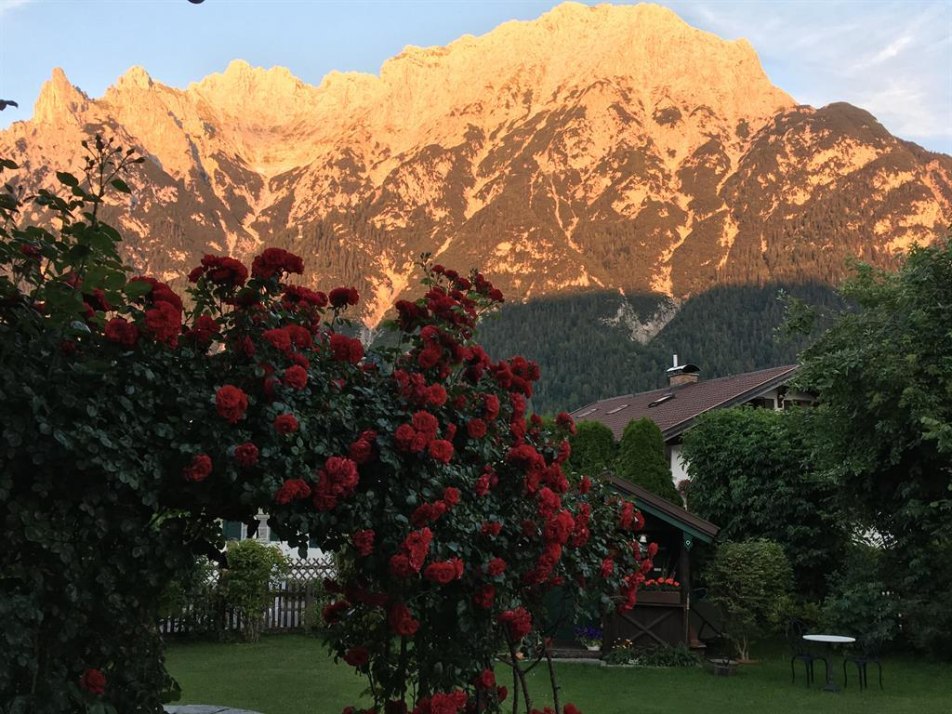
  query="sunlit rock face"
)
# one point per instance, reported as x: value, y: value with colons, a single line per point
x: 610, y: 147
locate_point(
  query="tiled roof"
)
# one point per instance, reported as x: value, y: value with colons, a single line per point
x: 675, y: 413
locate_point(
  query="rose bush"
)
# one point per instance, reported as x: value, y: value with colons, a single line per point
x: 134, y: 420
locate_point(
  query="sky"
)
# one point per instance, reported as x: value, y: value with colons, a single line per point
x: 892, y: 58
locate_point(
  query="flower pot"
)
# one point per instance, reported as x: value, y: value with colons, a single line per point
x: 721, y: 667
x: 659, y: 597
x: 593, y: 648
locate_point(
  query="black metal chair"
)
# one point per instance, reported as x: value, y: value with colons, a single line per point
x: 868, y: 655
x: 796, y: 629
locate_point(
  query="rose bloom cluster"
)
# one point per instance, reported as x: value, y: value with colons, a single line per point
x: 445, y: 501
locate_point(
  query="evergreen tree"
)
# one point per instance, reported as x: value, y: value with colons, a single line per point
x: 641, y: 459
x: 593, y: 448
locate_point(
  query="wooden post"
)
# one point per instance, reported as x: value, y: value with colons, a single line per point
x: 684, y: 568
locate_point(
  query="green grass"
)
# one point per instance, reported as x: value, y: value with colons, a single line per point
x: 292, y: 674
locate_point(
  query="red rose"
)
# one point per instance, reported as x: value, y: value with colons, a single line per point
x: 346, y: 349
x: 339, y: 476
x: 279, y: 338
x: 285, y: 424
x: 486, y: 679
x: 400, y: 566
x: 294, y: 489
x: 295, y: 377
x: 484, y: 596
x: 482, y: 485
x: 199, y: 469
x: 607, y: 567
x: 364, y: 542
x: 571, y: 709
x: 246, y: 455
x: 273, y: 261
x: 429, y: 356
x: 231, y: 403
x: 357, y: 656
x: 441, y: 450
x: 490, y: 406
x: 444, y: 572
x: 626, y: 516
x: 203, y: 331
x: 401, y: 621
x: 120, y: 330
x: 406, y: 438
x: 517, y: 622
x: 93, y: 681
x: 491, y: 528
x: 549, y: 501
x: 164, y: 323
x: 497, y: 566
x: 334, y: 612
x: 447, y: 703
x: 427, y: 512
x: 342, y: 297
x: 160, y: 292
x: 585, y: 485
x: 565, y: 421
x: 652, y: 550
x: 476, y: 428
x: 362, y: 450
x: 426, y: 423
x: 221, y: 271
x: 436, y: 395
x: 559, y: 527
x: 299, y: 296
x: 451, y: 496
x: 417, y: 545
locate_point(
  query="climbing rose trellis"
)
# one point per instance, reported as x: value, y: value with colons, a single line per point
x: 454, y: 523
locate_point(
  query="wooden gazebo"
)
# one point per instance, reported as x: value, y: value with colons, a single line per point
x: 661, y: 617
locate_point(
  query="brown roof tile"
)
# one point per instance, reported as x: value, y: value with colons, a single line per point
x: 676, y: 413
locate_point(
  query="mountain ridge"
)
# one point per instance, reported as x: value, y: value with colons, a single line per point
x: 608, y: 147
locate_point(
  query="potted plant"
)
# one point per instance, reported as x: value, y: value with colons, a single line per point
x: 660, y: 591
x: 590, y: 636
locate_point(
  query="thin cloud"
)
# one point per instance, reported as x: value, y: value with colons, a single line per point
x: 893, y: 59
x: 10, y: 5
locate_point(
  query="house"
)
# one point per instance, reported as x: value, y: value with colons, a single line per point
x: 236, y: 530
x: 674, y: 408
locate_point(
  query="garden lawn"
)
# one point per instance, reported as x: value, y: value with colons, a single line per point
x: 293, y: 674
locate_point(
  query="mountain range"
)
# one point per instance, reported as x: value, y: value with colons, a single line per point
x: 612, y: 150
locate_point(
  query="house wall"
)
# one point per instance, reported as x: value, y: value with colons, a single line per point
x: 265, y: 536
x: 679, y: 469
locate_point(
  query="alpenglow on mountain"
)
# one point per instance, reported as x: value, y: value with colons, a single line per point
x: 595, y: 148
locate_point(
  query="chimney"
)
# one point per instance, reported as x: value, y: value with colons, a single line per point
x: 680, y: 375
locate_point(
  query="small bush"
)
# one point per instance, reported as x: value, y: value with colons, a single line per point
x: 667, y: 656
x: 656, y: 656
x: 859, y: 603
x: 247, y: 582
x: 751, y: 583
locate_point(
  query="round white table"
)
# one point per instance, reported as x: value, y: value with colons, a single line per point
x: 830, y: 640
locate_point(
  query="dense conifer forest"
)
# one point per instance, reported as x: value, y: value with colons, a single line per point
x: 726, y: 330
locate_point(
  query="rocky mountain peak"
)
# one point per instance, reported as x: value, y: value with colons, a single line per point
x: 59, y: 100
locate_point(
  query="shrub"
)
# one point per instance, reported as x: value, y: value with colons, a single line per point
x: 247, y: 583
x: 641, y: 459
x: 750, y: 582
x: 593, y: 448
x: 859, y: 603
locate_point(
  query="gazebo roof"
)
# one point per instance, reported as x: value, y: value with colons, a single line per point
x: 666, y: 511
